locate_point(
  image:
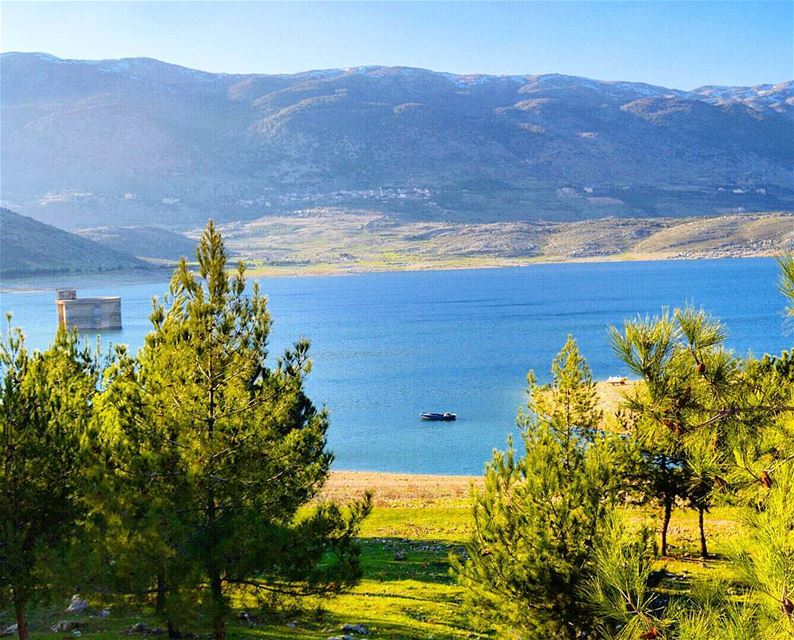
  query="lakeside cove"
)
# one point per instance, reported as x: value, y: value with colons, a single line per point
x: 389, y: 346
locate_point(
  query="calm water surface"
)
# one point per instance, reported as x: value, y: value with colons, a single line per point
x: 389, y: 346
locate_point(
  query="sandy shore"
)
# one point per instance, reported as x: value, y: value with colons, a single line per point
x: 394, y: 488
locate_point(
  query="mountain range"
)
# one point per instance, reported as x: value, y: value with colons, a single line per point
x: 139, y: 141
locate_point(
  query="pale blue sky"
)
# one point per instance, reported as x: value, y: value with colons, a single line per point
x: 676, y: 44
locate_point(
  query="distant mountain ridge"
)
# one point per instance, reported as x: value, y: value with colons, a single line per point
x: 29, y: 247
x: 151, y: 243
x: 138, y: 141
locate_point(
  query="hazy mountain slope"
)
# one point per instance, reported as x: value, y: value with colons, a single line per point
x: 139, y: 140
x: 28, y: 247
x: 323, y: 240
x: 143, y: 242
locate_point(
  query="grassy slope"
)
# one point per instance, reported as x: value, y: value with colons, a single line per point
x: 336, y: 241
x: 423, y: 518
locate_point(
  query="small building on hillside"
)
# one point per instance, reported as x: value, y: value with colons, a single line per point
x: 101, y: 313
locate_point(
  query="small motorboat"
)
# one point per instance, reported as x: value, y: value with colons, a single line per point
x: 445, y: 417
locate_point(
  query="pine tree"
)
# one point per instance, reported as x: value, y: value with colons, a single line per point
x: 627, y: 608
x: 539, y: 514
x: 211, y: 455
x: 687, y: 379
x: 786, y: 264
x: 617, y: 589
x: 737, y: 420
x: 45, y: 406
x: 766, y: 557
x: 135, y: 491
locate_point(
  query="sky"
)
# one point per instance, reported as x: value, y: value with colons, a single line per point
x: 676, y: 44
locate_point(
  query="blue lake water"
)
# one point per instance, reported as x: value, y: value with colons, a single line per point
x: 388, y: 346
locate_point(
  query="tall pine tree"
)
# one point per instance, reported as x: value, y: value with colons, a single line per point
x: 539, y: 515
x: 45, y: 406
x: 686, y: 379
x: 212, y: 453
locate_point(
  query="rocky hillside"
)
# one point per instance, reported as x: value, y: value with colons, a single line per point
x: 138, y: 141
x: 333, y: 241
x: 28, y: 247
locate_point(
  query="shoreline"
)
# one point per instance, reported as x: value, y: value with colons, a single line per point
x: 21, y: 283
x: 474, y: 264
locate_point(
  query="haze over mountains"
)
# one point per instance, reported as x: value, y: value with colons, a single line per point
x: 29, y: 247
x: 138, y: 141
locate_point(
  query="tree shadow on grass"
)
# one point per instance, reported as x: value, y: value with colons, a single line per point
x: 390, y: 559
x: 422, y: 601
x: 403, y: 621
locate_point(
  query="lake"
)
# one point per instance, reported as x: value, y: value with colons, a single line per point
x: 388, y: 346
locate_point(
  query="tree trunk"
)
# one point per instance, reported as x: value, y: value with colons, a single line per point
x: 216, y: 586
x: 220, y: 629
x: 704, y: 551
x: 22, y: 622
x: 159, y: 608
x: 668, y: 510
x: 217, y: 601
x: 159, y: 605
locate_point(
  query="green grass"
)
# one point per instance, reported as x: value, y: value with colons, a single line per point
x: 407, y: 592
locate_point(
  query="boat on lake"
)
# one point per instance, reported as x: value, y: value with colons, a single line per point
x: 439, y: 417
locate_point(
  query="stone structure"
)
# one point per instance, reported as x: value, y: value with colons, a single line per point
x: 87, y: 313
